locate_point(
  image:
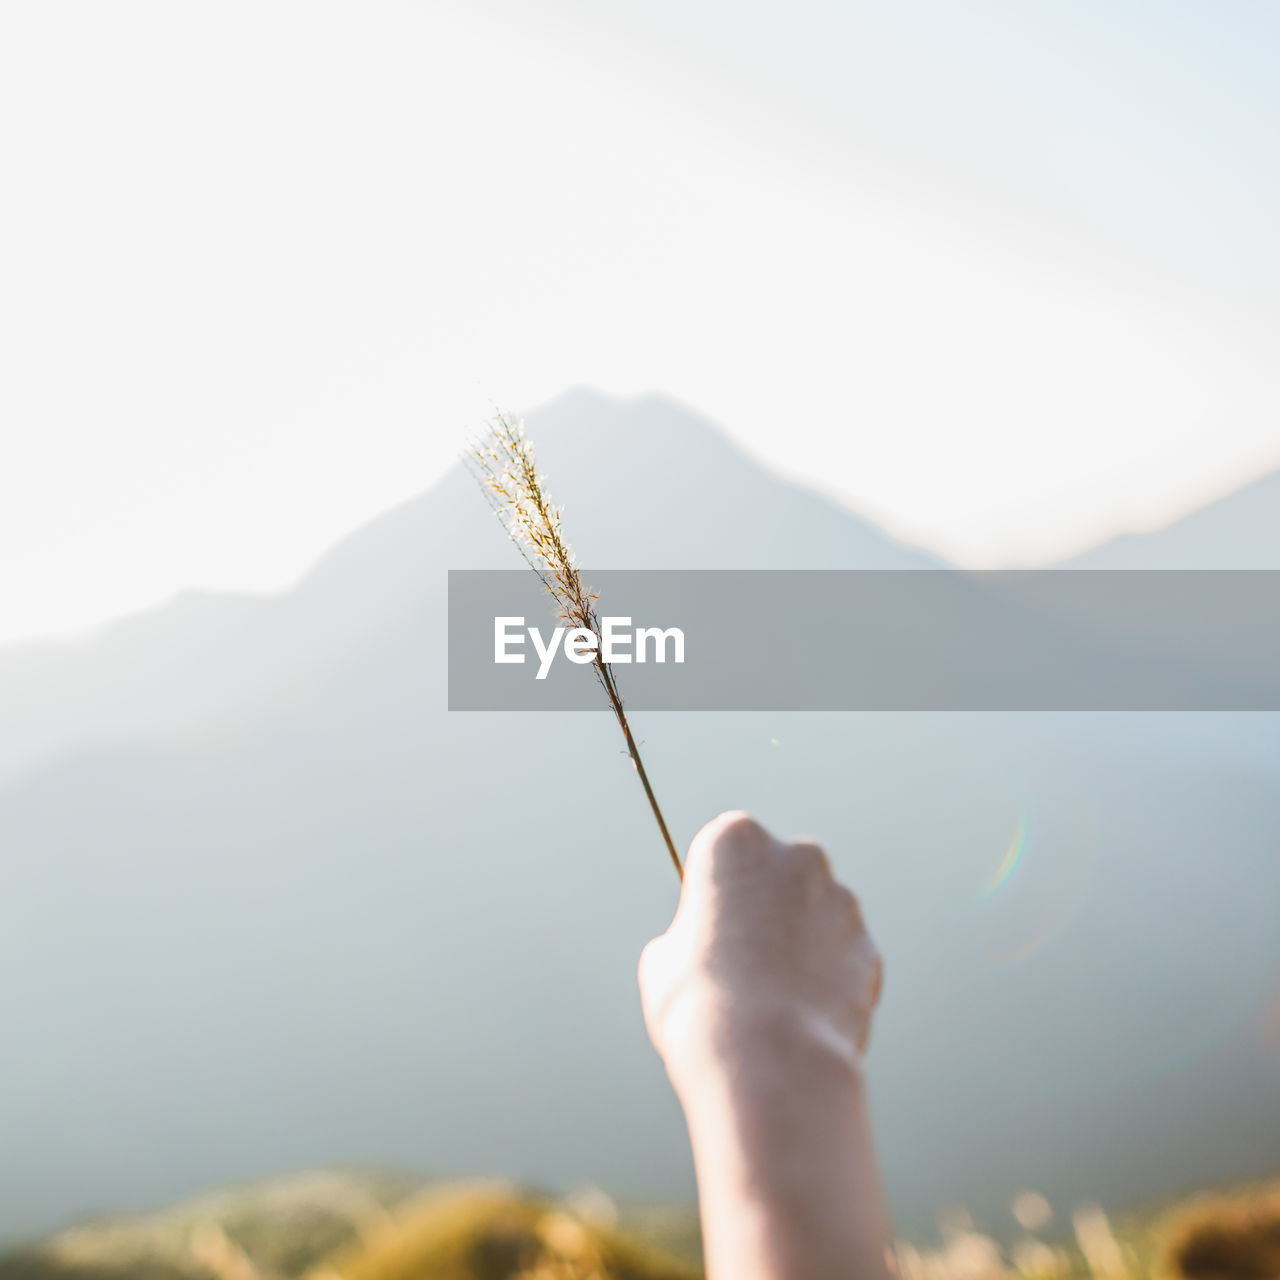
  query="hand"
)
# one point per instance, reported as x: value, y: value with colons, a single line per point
x: 766, y: 953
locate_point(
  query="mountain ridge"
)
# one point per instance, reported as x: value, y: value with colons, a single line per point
x: 1240, y: 530
x: 119, y: 685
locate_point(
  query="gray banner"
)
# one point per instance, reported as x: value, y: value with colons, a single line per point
x: 1049, y: 640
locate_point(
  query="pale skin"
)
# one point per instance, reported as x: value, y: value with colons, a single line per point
x: 758, y: 998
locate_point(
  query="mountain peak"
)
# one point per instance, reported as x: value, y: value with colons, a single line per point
x: 647, y: 483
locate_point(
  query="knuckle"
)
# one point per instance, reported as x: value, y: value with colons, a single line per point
x: 849, y: 903
x: 648, y: 957
x: 737, y: 827
x: 853, y: 905
x: 734, y: 833
x: 810, y: 857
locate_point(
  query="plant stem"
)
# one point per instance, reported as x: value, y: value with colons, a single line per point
x: 615, y: 701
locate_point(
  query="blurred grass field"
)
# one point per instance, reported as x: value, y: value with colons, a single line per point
x: 379, y: 1225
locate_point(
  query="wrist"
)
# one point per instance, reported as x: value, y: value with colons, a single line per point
x: 712, y: 1038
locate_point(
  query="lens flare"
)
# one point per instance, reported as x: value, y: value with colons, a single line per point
x: 1012, y: 854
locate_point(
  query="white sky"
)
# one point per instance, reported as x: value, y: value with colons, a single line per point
x: 1001, y: 276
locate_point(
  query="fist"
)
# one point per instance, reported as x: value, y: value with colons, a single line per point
x: 766, y: 953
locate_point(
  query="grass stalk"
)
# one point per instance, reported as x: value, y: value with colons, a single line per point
x: 503, y: 463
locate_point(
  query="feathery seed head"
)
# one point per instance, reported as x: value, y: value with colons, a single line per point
x: 503, y: 462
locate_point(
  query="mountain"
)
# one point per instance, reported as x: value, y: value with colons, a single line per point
x: 267, y: 904
x: 206, y: 661
x: 1240, y: 531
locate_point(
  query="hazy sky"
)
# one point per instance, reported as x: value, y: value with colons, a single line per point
x: 1003, y: 276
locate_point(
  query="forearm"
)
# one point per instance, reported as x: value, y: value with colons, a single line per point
x: 783, y: 1152
x: 759, y: 998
